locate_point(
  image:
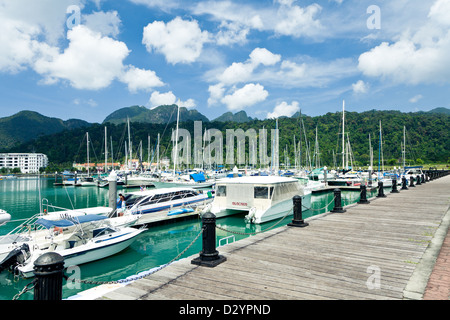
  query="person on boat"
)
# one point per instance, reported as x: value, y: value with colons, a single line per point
x: 121, y: 205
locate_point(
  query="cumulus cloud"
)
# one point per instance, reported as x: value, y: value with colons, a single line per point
x: 140, y: 79
x: 242, y: 72
x: 180, y: 41
x: 420, y: 57
x: 284, y: 109
x: 168, y: 98
x: 246, y: 96
x: 360, y: 87
x: 91, y: 61
x: 297, y: 21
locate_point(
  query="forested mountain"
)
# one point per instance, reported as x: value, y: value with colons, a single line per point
x: 26, y: 125
x: 161, y: 114
x: 240, y: 116
x: 427, y: 137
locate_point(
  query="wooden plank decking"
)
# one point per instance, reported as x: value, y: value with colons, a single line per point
x: 374, y: 251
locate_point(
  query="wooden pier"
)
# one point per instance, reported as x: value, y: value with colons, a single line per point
x: 382, y: 250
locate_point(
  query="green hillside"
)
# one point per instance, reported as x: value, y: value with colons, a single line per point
x: 427, y: 138
x: 27, y: 125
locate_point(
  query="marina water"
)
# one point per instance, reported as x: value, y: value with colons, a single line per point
x: 157, y: 246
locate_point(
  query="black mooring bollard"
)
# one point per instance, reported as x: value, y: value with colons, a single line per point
x: 418, y: 182
x: 209, y: 256
x: 48, y: 270
x: 394, y: 186
x: 363, y: 192
x: 411, y: 182
x: 423, y: 178
x: 380, y: 190
x: 404, y: 184
x: 337, y: 202
x: 298, y: 219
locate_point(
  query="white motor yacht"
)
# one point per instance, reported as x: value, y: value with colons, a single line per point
x: 265, y: 198
x: 79, y: 240
x: 168, y: 201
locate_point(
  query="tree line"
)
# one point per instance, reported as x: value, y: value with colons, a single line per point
x: 427, y: 139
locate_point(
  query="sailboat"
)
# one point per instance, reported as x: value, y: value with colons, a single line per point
x: 191, y: 179
x: 86, y: 181
x: 382, y: 176
x: 346, y: 178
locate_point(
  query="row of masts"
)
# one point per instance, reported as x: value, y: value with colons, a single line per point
x: 310, y: 162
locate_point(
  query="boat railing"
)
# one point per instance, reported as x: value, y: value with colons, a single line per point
x: 24, y: 226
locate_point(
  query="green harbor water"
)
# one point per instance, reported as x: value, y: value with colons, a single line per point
x: 154, y: 247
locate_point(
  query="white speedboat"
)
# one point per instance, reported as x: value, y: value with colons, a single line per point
x: 4, y: 216
x: 165, y: 200
x: 265, y: 198
x: 76, y: 243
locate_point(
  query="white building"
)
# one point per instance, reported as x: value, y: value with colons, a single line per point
x: 26, y: 162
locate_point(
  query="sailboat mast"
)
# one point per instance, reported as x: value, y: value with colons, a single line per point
x: 176, y: 143
x: 129, y: 141
x: 157, y: 154
x: 404, y: 147
x: 87, y: 151
x: 379, y: 153
x: 343, y: 134
x: 106, y: 151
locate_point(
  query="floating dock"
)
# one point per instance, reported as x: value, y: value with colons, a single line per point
x: 382, y: 250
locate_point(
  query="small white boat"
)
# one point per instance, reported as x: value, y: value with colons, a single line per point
x: 265, y: 198
x: 4, y: 216
x: 78, y: 246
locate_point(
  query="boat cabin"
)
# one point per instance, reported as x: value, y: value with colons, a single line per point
x: 159, y: 196
x: 260, y: 192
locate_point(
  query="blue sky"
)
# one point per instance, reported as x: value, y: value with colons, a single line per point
x: 87, y: 58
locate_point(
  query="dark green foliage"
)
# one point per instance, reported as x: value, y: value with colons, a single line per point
x: 427, y: 138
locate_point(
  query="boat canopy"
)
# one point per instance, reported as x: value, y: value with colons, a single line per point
x: 198, y: 177
x: 69, y: 222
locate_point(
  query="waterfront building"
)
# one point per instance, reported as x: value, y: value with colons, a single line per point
x: 26, y: 162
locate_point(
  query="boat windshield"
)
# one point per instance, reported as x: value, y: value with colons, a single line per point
x: 132, y: 199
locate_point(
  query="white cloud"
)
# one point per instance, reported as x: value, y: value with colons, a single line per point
x: 264, y: 57
x: 157, y: 99
x: 416, y: 98
x: 297, y: 21
x: 286, y: 19
x: 247, y: 96
x: 91, y: 61
x: 241, y: 72
x: 107, y: 23
x: 140, y: 79
x: 216, y: 93
x: 284, y: 109
x: 231, y: 33
x: 180, y: 41
x: 414, y: 58
x: 360, y: 87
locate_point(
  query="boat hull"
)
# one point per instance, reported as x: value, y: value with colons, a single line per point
x: 276, y: 211
x: 96, y: 249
